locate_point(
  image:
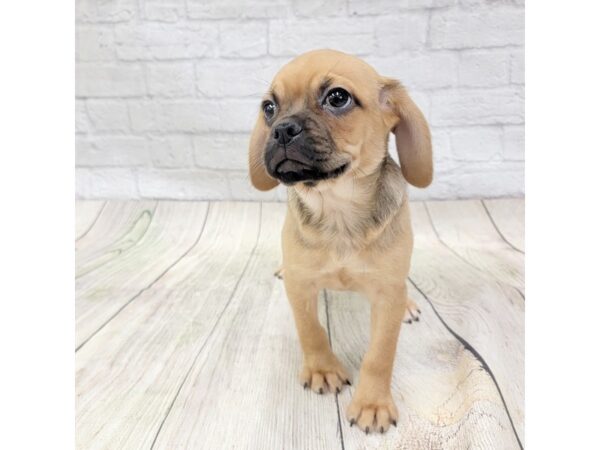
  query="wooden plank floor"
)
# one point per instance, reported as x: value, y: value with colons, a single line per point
x: 184, y: 338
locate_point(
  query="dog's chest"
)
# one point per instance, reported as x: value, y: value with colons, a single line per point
x: 345, y: 273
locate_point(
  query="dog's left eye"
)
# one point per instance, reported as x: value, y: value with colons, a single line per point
x: 269, y: 109
x: 337, y: 98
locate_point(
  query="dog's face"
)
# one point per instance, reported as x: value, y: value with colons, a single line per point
x: 328, y: 115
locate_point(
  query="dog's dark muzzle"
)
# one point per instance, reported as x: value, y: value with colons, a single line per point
x: 290, y: 159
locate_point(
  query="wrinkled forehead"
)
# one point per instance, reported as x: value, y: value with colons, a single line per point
x: 313, y: 74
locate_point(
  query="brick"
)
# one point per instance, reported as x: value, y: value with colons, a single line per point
x: 102, y: 80
x: 238, y: 115
x: 171, y: 151
x: 105, y: 183
x: 222, y: 151
x: 94, y: 43
x: 163, y: 41
x: 442, y: 147
x: 495, y: 182
x: 240, y: 188
x: 236, y: 9
x: 170, y: 79
x: 351, y: 35
x: 514, y: 143
x: 111, y: 151
x: 175, y: 116
x: 316, y: 8
x: 488, y: 27
x: 423, y: 71
x: 398, y: 33
x: 188, y: 184
x: 476, y: 143
x: 82, y: 121
x: 376, y: 7
x: 164, y: 10
x: 242, y: 39
x: 484, y: 68
x: 105, y: 10
x: 108, y: 115
x: 219, y: 78
x: 477, y: 107
x: 517, y: 68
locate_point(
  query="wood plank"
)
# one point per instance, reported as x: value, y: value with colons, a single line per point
x: 243, y: 391
x: 86, y: 213
x: 508, y: 215
x: 487, y: 313
x: 445, y: 399
x: 120, y: 226
x: 128, y: 375
x: 466, y: 229
x: 101, y: 292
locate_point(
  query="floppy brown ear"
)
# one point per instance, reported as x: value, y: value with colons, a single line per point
x: 258, y: 173
x: 413, y: 139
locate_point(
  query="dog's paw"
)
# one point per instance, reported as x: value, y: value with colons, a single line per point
x: 412, y: 313
x: 331, y: 377
x: 372, y: 414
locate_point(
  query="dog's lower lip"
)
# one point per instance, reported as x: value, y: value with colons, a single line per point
x: 311, y: 175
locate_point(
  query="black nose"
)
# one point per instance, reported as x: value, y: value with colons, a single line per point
x: 287, y: 131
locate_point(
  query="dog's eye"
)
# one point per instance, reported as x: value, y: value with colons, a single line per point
x: 337, y: 98
x: 269, y: 109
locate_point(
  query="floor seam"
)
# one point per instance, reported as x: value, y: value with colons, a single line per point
x: 233, y: 292
x: 94, y: 222
x: 498, y: 229
x: 477, y: 356
x: 118, y: 311
x: 337, y: 402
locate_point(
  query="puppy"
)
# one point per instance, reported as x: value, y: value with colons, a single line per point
x: 323, y: 131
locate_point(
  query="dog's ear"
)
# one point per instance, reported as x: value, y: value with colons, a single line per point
x: 258, y: 173
x: 413, y: 139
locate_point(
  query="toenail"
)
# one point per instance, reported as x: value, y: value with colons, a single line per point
x: 381, y: 430
x: 337, y: 390
x: 320, y: 390
x: 352, y: 422
x: 367, y: 430
x: 305, y: 385
x: 394, y: 423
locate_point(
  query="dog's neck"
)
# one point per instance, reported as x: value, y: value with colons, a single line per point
x: 350, y: 211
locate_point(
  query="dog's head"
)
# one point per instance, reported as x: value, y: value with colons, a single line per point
x: 328, y: 115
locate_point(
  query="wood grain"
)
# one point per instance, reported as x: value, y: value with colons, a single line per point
x: 128, y: 375
x: 445, y: 398
x: 189, y: 340
x: 86, y: 213
x: 118, y: 227
x: 508, y: 215
x: 243, y: 391
x: 487, y: 313
x: 134, y: 263
x: 466, y: 229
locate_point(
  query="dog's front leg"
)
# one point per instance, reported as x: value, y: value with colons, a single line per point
x: 372, y: 406
x: 321, y: 369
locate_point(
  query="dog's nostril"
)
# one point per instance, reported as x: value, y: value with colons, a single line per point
x: 276, y: 135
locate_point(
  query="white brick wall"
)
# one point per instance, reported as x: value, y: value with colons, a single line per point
x: 168, y: 90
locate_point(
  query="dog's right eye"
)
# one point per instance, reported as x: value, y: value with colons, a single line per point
x: 269, y: 109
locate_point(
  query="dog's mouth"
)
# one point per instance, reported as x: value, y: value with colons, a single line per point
x: 290, y: 172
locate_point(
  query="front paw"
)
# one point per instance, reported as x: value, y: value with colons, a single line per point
x: 371, y: 411
x: 324, y: 374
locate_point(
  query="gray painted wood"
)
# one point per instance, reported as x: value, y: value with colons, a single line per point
x: 189, y: 341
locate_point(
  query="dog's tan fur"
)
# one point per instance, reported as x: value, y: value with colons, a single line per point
x: 352, y: 232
